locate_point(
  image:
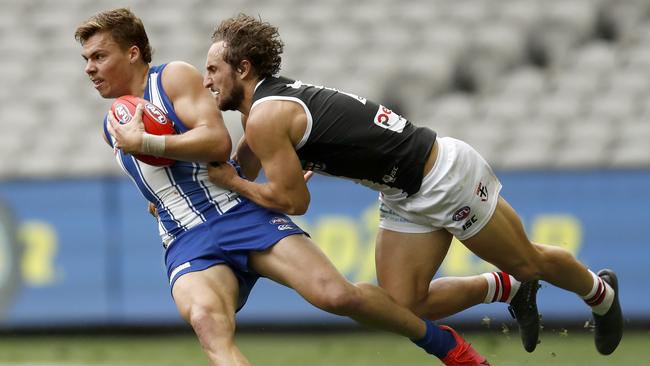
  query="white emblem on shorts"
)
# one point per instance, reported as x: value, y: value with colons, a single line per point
x: 461, y: 213
x: 279, y: 221
x: 482, y: 192
x: 285, y: 227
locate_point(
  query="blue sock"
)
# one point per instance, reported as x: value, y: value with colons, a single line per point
x: 436, y: 341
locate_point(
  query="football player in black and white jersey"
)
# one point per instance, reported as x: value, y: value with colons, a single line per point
x: 430, y: 188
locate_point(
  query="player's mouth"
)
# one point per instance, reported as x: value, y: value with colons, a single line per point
x: 97, y: 83
x: 215, y: 93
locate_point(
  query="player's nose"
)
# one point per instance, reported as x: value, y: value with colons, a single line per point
x: 207, y: 82
x: 90, y: 68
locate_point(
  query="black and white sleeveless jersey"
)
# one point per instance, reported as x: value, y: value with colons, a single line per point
x: 349, y: 136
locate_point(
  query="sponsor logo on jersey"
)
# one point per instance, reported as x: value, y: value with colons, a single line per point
x: 461, y: 213
x: 279, y: 221
x: 285, y: 227
x: 155, y: 113
x: 482, y: 191
x: 122, y: 113
x: 387, y: 119
x: 392, y: 176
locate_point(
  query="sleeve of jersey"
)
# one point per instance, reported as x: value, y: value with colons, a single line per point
x: 109, y: 138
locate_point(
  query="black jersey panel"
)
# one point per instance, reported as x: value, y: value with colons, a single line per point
x: 356, y: 138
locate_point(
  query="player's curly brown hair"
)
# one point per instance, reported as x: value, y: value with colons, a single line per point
x: 126, y: 29
x: 247, y: 38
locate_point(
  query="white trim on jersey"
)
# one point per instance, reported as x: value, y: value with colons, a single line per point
x: 208, y: 194
x: 154, y: 93
x: 258, y: 84
x: 310, y: 121
x: 147, y: 179
x: 166, y: 236
x: 185, y: 197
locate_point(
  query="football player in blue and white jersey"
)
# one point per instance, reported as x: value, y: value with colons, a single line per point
x: 216, y: 243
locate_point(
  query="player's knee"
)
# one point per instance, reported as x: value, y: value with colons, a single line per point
x: 340, y: 299
x: 525, y: 267
x: 554, y: 256
x: 209, y: 323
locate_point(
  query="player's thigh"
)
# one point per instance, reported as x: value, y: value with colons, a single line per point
x: 296, y: 262
x: 503, y: 240
x: 407, y: 262
x: 212, y: 290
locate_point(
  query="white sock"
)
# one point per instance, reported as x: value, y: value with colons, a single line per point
x: 502, y: 287
x: 600, y: 297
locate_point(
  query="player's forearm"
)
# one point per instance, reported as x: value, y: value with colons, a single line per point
x: 199, y: 144
x: 249, y: 163
x: 269, y: 196
x: 249, y: 168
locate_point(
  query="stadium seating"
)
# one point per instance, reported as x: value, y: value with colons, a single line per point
x: 558, y: 84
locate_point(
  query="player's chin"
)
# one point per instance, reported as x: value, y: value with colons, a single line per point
x: 100, y: 87
x: 226, y: 105
x: 103, y: 92
x: 222, y: 106
x: 106, y: 93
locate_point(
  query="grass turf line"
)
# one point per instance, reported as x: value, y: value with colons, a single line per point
x: 359, y: 349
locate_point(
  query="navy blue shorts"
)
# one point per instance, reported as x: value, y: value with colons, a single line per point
x: 228, y: 239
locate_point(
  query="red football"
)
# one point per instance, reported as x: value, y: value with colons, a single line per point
x: 154, y: 119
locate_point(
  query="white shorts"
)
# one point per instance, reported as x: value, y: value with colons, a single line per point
x: 459, y: 194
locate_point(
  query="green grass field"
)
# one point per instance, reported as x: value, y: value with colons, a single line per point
x: 355, y: 349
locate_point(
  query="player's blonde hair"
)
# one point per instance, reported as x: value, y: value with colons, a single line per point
x: 126, y: 29
x: 247, y: 38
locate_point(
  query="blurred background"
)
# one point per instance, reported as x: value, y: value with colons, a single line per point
x: 553, y: 93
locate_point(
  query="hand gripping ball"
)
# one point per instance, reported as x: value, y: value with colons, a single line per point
x: 154, y: 119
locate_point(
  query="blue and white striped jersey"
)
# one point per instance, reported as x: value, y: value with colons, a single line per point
x: 181, y: 192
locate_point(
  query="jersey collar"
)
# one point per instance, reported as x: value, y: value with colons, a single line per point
x: 258, y: 84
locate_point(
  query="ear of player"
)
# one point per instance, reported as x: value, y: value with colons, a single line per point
x: 155, y: 122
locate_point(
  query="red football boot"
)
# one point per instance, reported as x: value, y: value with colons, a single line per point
x: 463, y: 354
